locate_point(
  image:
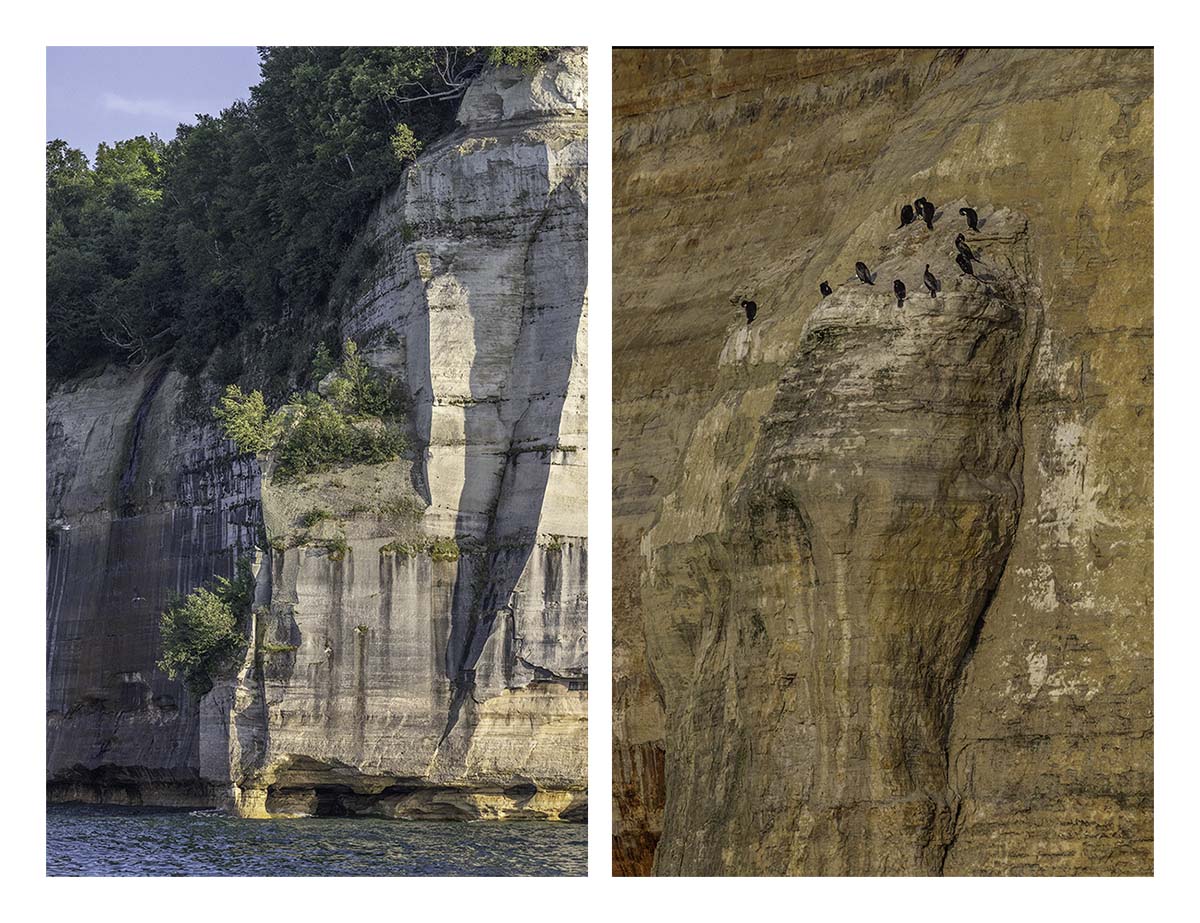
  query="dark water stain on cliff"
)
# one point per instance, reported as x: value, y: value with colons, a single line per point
x: 125, y: 504
x: 387, y: 577
x: 361, y: 634
x: 335, y: 634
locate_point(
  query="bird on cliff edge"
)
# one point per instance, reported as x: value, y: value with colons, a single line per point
x: 751, y: 310
x: 907, y: 216
x: 927, y: 214
x: 826, y: 291
x: 972, y: 217
x: 860, y: 269
x: 931, y: 282
x: 961, y: 245
x: 964, y: 263
x: 919, y: 205
x: 900, y: 290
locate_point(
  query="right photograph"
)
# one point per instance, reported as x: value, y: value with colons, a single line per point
x: 883, y: 461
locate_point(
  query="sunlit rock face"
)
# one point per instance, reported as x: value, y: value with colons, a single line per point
x: 867, y: 538
x: 881, y: 575
x: 436, y: 665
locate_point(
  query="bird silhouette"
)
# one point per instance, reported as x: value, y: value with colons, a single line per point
x: 931, y: 282
x: 860, y: 269
x: 972, y: 217
x: 964, y: 263
x: 826, y: 291
x: 751, y: 310
x: 927, y: 214
x: 899, y: 289
x: 906, y: 216
x: 961, y: 245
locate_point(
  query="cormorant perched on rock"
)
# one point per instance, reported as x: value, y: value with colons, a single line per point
x: 961, y: 245
x: 919, y: 205
x: 931, y: 282
x: 860, y: 269
x: 907, y: 216
x: 751, y: 310
x: 964, y: 263
x: 898, y: 288
x: 927, y: 214
x: 826, y: 291
x: 972, y: 217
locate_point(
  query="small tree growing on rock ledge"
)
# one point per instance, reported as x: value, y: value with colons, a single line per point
x: 357, y: 423
x: 245, y: 420
x: 201, y: 632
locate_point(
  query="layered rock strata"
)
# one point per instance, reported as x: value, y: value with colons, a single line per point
x: 421, y: 651
x: 882, y: 577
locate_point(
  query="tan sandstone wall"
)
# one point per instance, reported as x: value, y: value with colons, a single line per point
x: 882, y: 578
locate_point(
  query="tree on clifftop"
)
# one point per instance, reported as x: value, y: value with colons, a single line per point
x: 244, y: 219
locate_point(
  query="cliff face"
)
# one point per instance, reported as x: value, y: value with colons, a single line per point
x: 882, y: 576
x: 436, y: 665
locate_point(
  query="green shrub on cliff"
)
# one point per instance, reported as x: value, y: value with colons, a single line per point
x: 202, y: 632
x: 357, y: 424
x: 324, y: 437
x: 245, y: 420
x: 526, y: 57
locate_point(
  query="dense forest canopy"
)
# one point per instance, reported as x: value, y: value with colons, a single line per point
x: 242, y: 220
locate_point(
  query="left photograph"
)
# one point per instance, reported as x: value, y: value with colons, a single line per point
x: 316, y: 461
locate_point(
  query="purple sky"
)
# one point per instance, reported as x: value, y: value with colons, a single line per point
x: 108, y: 94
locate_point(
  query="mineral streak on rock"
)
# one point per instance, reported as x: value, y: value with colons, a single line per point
x: 436, y: 666
x: 882, y: 577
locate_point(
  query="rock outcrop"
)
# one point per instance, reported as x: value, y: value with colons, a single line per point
x: 882, y: 575
x: 421, y: 651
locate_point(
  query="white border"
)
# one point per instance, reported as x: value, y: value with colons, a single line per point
x: 599, y: 25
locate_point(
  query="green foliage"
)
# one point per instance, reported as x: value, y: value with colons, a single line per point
x: 402, y: 549
x: 313, y: 516
x: 245, y: 420
x: 201, y: 632
x: 322, y: 363
x: 242, y: 221
x: 439, y: 549
x: 323, y: 437
x: 526, y: 57
x: 405, y: 145
x: 335, y: 548
x: 358, y: 390
x: 444, y: 549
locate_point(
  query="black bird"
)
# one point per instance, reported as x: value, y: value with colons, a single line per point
x: 927, y: 214
x: 931, y: 282
x: 826, y: 291
x: 964, y: 263
x: 906, y: 216
x: 972, y: 217
x: 961, y: 245
x: 751, y: 310
x: 898, y: 288
x: 860, y: 268
x: 919, y: 205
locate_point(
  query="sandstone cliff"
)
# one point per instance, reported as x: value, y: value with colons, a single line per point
x: 882, y: 577
x: 436, y: 665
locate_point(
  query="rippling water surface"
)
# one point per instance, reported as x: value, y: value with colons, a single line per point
x: 91, y: 840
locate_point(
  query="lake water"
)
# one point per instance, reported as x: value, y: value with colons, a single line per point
x: 92, y: 840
